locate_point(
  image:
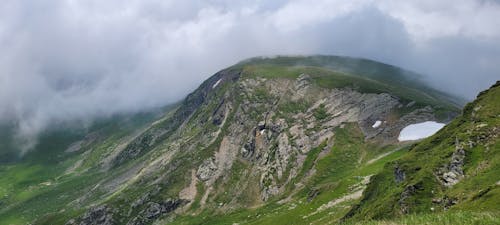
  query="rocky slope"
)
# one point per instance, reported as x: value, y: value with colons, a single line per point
x: 264, y: 141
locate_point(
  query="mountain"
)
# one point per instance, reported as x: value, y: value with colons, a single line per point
x: 283, y: 140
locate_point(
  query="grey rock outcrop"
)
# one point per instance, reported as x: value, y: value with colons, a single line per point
x: 452, y: 173
x: 404, y: 204
x: 155, y: 210
x: 100, y: 215
x: 206, y: 170
x: 219, y: 114
x: 399, y: 174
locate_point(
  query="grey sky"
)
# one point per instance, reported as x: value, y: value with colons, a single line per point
x: 77, y: 60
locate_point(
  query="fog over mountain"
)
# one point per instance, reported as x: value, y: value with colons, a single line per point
x: 78, y: 60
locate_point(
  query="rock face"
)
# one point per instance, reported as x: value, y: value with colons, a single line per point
x: 277, y: 122
x: 409, y: 191
x: 155, y: 210
x: 399, y: 174
x: 163, y: 130
x: 100, y: 215
x: 451, y: 174
x: 206, y: 170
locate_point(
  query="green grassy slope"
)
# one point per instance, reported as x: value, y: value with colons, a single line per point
x: 40, y: 182
x: 422, y: 191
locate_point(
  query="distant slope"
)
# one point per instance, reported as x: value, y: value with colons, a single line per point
x: 457, y: 169
x: 411, y: 94
x: 389, y: 74
x: 62, y: 167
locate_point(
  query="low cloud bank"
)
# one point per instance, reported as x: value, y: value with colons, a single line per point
x: 78, y: 60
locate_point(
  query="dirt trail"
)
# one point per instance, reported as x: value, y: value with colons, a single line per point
x: 382, y: 156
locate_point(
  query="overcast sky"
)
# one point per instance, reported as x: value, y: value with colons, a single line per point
x: 68, y: 59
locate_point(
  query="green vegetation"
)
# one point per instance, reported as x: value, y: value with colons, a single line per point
x: 446, y: 218
x: 41, y: 183
x: 476, y: 132
x: 320, y: 112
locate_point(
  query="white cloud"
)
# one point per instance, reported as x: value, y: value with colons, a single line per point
x: 297, y: 14
x: 77, y: 60
x: 430, y: 19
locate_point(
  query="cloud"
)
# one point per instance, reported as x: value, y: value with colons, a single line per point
x: 429, y: 19
x: 78, y: 60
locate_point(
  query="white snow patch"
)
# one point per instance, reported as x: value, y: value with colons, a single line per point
x: 377, y: 124
x: 419, y: 130
x: 216, y: 83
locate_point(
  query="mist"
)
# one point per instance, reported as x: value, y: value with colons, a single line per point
x: 81, y: 60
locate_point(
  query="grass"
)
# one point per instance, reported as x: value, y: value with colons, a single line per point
x: 476, y: 192
x: 320, y: 113
x: 446, y: 218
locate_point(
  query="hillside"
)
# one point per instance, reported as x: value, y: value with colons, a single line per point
x: 285, y: 140
x: 455, y: 170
